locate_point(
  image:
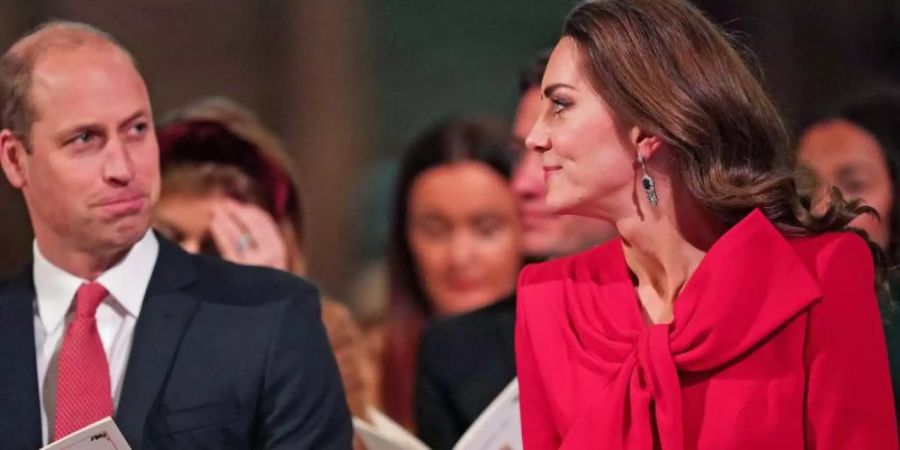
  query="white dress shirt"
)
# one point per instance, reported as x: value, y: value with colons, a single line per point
x: 116, y: 316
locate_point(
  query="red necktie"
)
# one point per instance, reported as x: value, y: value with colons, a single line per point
x: 83, y: 389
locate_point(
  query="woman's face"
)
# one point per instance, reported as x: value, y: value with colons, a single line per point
x: 588, y: 163
x: 849, y: 158
x: 464, y: 236
x: 186, y: 218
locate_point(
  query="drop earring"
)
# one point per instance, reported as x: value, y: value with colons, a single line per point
x: 647, y: 182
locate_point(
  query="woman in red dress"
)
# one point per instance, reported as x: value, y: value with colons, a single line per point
x: 728, y: 315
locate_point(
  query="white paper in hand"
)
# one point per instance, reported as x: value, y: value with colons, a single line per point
x: 382, y: 433
x: 499, y: 427
x: 100, y: 435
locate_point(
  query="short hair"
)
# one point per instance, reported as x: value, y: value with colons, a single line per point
x: 533, y: 73
x: 17, y: 114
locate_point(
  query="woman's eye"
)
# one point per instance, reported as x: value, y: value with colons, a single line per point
x: 488, y: 226
x: 432, y: 229
x: 851, y: 187
x: 558, y: 105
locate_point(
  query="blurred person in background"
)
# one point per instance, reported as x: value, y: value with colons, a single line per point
x: 228, y: 190
x: 467, y: 360
x: 454, y: 245
x: 856, y: 148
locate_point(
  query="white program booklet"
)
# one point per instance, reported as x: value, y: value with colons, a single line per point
x: 499, y: 427
x: 382, y: 433
x: 100, y: 435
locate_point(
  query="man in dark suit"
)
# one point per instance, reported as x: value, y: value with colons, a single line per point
x: 111, y: 320
x: 466, y: 361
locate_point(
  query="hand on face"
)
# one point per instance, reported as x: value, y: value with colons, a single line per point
x: 246, y: 234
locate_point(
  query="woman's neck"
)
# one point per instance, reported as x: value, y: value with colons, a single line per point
x: 662, y: 249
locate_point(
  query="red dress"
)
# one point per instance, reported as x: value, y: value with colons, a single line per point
x: 776, y: 344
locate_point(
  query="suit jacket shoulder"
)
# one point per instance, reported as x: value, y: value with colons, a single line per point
x: 230, y: 356
x: 226, y: 283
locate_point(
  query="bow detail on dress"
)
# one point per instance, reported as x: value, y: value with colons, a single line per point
x: 744, y: 295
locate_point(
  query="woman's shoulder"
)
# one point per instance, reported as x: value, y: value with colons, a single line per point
x: 590, y: 264
x: 823, y: 252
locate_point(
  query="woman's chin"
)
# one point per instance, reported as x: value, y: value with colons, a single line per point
x: 563, y: 206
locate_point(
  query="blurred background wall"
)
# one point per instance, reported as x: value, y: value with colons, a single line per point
x: 348, y: 84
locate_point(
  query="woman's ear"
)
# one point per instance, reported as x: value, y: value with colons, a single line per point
x: 645, y: 143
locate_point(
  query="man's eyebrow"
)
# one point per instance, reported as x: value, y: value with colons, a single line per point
x: 135, y: 115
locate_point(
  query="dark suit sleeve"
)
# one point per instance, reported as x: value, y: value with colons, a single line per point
x: 303, y: 405
x: 438, y: 426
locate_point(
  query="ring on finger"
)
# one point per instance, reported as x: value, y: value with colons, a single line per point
x: 244, y: 243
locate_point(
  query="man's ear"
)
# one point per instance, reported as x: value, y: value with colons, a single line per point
x: 645, y: 143
x: 12, y: 157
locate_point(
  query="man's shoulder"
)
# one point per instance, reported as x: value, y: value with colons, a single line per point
x: 222, y: 282
x: 17, y: 283
x: 15, y: 278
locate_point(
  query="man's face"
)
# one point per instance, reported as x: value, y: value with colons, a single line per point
x: 545, y: 234
x: 91, y: 177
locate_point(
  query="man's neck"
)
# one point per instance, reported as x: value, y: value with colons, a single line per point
x: 85, y: 264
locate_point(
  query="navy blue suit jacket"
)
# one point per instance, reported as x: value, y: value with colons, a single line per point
x: 223, y: 356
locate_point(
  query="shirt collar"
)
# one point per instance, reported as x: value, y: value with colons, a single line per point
x: 126, y: 282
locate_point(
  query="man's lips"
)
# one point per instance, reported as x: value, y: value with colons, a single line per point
x: 122, y: 204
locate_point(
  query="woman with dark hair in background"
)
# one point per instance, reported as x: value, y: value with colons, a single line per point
x: 727, y: 315
x: 455, y: 242
x: 228, y: 190
x: 856, y: 149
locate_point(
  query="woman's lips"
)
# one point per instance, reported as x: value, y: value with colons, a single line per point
x: 464, y: 286
x: 548, y: 170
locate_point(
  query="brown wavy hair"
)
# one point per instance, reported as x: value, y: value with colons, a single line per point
x: 662, y: 66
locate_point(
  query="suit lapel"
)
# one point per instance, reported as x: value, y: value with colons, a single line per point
x: 164, y: 316
x: 20, y: 414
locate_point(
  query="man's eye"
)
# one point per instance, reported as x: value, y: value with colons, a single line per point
x: 83, y: 138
